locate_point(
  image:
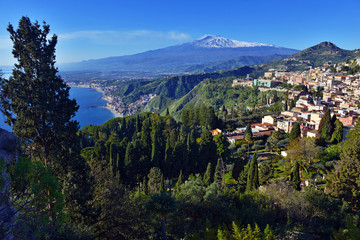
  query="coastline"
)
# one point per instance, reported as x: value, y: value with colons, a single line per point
x: 113, y: 111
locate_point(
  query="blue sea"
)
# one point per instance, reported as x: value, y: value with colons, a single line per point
x: 90, y: 111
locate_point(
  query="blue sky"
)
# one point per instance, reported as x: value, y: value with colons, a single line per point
x: 97, y: 29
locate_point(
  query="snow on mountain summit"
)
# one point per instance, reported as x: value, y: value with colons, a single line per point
x: 221, y: 42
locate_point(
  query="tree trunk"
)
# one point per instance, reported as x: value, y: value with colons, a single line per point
x: 163, y: 228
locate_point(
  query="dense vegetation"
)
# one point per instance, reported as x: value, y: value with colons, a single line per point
x: 219, y: 92
x: 151, y: 177
x: 172, y: 87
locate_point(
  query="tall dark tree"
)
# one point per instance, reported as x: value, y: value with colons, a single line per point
x: 295, y: 176
x: 156, y: 149
x: 325, y: 126
x: 130, y: 162
x: 35, y: 100
x: 248, y: 135
x: 208, y: 179
x: 295, y: 132
x: 207, y: 150
x: 211, y: 118
x: 36, y: 103
x: 338, y: 132
x: 222, y: 147
x: 286, y: 105
x: 237, y: 169
x: 253, y: 175
x: 292, y: 104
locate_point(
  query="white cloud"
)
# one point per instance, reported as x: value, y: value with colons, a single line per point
x: 120, y: 37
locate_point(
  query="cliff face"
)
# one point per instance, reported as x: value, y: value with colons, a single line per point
x: 8, y: 157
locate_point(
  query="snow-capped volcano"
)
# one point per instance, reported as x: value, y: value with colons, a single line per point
x: 221, y: 42
x: 174, y: 59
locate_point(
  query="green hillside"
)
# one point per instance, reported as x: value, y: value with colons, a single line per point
x: 233, y: 63
x: 173, y: 87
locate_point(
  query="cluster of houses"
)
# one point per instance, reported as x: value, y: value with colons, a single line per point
x: 341, y: 94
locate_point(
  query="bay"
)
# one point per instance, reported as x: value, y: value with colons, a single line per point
x: 91, y: 110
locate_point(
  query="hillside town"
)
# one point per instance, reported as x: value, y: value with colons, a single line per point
x: 340, y: 94
x: 114, y: 103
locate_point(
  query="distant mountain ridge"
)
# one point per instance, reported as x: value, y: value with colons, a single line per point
x: 315, y: 56
x: 177, y: 59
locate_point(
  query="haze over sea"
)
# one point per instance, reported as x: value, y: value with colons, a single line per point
x: 91, y: 109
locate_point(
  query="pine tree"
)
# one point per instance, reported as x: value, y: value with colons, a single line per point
x: 35, y: 100
x: 268, y: 233
x: 253, y: 175
x: 36, y: 103
x: 295, y: 132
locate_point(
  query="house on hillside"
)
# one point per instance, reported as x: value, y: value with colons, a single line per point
x: 216, y: 132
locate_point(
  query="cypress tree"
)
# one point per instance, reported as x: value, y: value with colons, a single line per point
x: 162, y: 184
x: 138, y: 124
x: 248, y: 133
x: 168, y: 160
x: 292, y: 104
x: 129, y: 163
x: 207, y: 151
x: 112, y: 160
x: 192, y: 149
x: 295, y: 132
x: 333, y: 120
x: 144, y: 186
x: 179, y: 182
x: 217, y: 173
x: 286, y: 105
x: 338, y: 132
x: 295, y: 176
x: 325, y: 126
x: 237, y: 169
x: 155, y: 150
x: 207, y: 179
x: 253, y: 175
x: 146, y: 138
x: 211, y: 118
